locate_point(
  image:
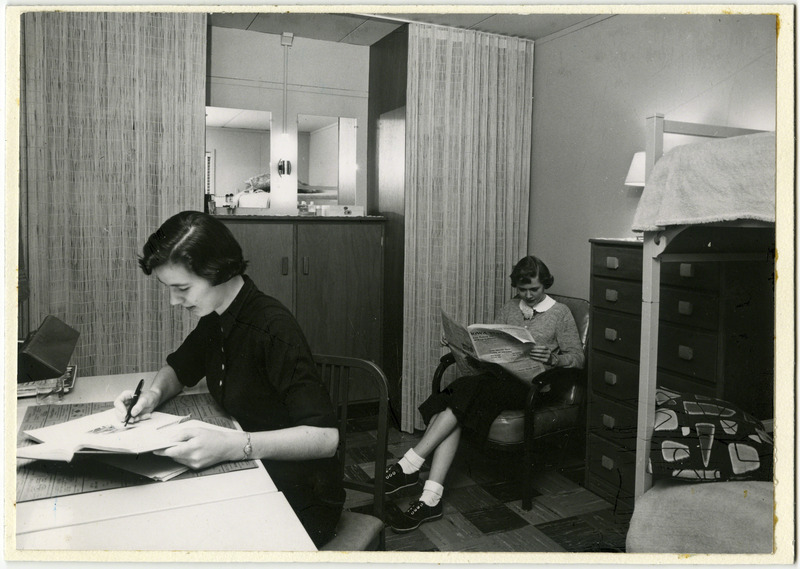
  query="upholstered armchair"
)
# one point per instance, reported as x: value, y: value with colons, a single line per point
x: 553, y: 407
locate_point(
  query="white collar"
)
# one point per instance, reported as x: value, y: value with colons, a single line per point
x: 545, y: 304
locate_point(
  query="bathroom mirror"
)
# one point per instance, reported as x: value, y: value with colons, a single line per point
x: 237, y: 150
x: 326, y: 159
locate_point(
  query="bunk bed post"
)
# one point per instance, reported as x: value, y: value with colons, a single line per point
x: 655, y: 242
x: 648, y: 350
x: 654, y: 145
x: 648, y: 360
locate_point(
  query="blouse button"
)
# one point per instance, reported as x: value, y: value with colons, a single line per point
x: 220, y: 383
x: 223, y: 367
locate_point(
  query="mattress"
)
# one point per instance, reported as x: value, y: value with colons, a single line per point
x: 712, y: 181
x: 711, y: 517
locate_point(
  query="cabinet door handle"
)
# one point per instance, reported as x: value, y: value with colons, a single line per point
x: 607, y: 463
x: 687, y: 270
x: 285, y: 266
x: 305, y: 265
x: 685, y: 307
x: 685, y: 353
x: 608, y: 421
x: 610, y: 378
x: 612, y: 263
x: 611, y: 335
x: 611, y: 295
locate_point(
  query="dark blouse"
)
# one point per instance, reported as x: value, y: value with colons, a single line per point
x: 259, y: 368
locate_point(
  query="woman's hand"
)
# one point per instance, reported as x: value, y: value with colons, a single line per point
x: 198, y: 447
x: 542, y: 354
x: 148, y: 401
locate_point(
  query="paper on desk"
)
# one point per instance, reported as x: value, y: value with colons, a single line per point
x: 153, y: 466
x: 149, y: 465
x: 101, y: 432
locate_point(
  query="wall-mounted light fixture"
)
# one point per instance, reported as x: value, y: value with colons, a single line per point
x: 636, y: 173
x: 284, y: 168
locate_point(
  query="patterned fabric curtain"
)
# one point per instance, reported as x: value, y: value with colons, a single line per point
x: 468, y: 141
x: 112, y: 129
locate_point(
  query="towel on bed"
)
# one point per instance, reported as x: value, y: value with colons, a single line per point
x: 711, y: 181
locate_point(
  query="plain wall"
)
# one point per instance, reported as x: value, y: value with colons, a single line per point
x: 239, y: 155
x: 388, y: 74
x: 323, y: 153
x: 594, y: 88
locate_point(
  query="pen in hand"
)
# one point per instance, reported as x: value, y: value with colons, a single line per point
x: 134, y: 399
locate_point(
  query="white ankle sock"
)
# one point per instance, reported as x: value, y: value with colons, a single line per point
x: 411, y: 462
x: 431, y: 492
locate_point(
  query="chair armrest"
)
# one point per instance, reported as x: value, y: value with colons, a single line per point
x: 530, y: 406
x: 444, y: 362
x: 563, y: 380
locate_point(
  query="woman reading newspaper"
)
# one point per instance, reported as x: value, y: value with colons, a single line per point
x: 473, y: 402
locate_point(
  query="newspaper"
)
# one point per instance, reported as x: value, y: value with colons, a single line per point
x: 496, y: 344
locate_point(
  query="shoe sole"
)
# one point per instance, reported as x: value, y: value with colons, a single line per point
x: 390, y: 492
x: 406, y: 530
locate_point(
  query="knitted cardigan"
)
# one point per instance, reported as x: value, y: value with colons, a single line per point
x: 554, y: 328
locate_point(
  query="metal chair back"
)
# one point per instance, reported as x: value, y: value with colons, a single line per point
x: 338, y: 372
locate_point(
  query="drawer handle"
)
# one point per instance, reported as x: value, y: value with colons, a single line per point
x: 611, y: 295
x: 608, y: 421
x: 607, y: 463
x: 305, y: 265
x: 611, y: 335
x: 285, y: 266
x: 612, y: 263
x: 685, y: 353
x: 610, y: 378
x: 685, y: 307
x: 687, y: 270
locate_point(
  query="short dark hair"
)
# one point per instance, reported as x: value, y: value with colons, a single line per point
x: 197, y: 241
x: 528, y: 268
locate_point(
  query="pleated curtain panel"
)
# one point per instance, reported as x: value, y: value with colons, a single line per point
x: 111, y: 144
x: 468, y: 144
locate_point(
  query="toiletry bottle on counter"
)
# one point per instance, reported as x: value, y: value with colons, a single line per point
x: 312, y: 209
x: 302, y: 209
x: 210, y: 205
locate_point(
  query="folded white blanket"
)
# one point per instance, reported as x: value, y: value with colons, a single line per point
x: 717, y: 180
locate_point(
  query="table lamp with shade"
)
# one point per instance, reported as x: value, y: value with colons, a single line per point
x: 636, y: 172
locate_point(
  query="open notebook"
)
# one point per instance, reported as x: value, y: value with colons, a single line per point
x: 108, y: 440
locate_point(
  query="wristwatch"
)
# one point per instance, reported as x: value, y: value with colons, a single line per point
x: 248, y: 448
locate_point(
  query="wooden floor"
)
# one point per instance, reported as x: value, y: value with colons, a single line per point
x: 482, y: 503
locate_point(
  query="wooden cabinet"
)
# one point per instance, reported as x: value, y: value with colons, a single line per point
x: 268, y: 248
x: 327, y: 271
x: 715, y: 338
x: 339, y: 287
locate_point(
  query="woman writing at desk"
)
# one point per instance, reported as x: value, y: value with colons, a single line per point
x: 258, y: 367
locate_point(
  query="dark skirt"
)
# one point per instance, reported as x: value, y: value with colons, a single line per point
x: 314, y: 490
x: 476, y: 401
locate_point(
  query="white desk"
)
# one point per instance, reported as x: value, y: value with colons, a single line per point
x: 169, y: 516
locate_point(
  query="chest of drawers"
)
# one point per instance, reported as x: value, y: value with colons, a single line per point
x: 714, y: 339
